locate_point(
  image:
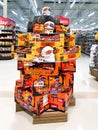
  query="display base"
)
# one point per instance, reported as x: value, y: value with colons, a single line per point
x: 50, y: 117
x: 19, y: 108
x: 94, y: 72
x: 72, y: 101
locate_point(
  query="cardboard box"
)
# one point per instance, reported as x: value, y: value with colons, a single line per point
x: 55, y: 84
x: 41, y: 104
x: 23, y: 39
x: 68, y: 66
x: 59, y: 101
x: 40, y: 85
x: 46, y: 69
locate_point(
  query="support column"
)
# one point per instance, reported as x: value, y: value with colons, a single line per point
x: 5, y: 8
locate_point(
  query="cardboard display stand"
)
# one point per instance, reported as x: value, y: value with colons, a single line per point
x: 47, y: 63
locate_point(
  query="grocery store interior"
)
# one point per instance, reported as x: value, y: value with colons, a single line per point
x: 80, y: 21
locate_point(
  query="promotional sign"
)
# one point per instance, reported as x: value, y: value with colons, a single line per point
x: 6, y: 21
x: 63, y: 20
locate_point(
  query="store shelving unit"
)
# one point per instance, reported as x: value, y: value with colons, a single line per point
x: 7, y: 38
x: 94, y: 57
x: 85, y: 39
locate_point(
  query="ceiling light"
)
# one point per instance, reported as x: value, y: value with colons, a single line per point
x: 81, y: 20
x: 39, y: 13
x: 17, y: 24
x: 93, y: 23
x: 35, y: 3
x: 86, y: 26
x: 66, y: 13
x: 59, y: 1
x: 1, y: 3
x: 72, y: 4
x: 22, y: 18
x: 71, y: 25
x: 91, y: 14
x: 14, y: 12
x: 76, y: 23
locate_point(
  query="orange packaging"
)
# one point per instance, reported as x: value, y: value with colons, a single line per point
x: 68, y: 80
x: 40, y: 85
x: 59, y: 101
x: 55, y: 84
x: 24, y: 98
x: 38, y: 28
x: 68, y: 66
x: 27, y: 81
x: 41, y: 104
x: 20, y: 65
x: 23, y: 39
x: 53, y: 40
x: 43, y: 68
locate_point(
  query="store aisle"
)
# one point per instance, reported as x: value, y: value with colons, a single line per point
x: 84, y: 83
x: 8, y: 74
x: 83, y: 116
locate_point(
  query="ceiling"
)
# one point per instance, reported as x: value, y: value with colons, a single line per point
x: 82, y: 13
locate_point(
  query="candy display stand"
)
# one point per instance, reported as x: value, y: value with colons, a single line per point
x: 47, y: 63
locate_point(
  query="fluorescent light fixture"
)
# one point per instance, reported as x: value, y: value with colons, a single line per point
x: 81, y: 27
x: 71, y: 25
x: 14, y: 12
x: 81, y: 20
x: 35, y: 3
x: 59, y: 1
x: 1, y: 3
x: 66, y: 13
x: 76, y: 23
x: 39, y: 13
x: 17, y: 24
x: 22, y: 18
x: 91, y: 14
x: 93, y: 23
x: 72, y: 4
x: 86, y: 26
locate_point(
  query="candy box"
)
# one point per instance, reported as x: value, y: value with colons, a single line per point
x: 46, y: 69
x: 68, y: 66
x: 55, y: 84
x: 41, y: 104
x: 40, y: 85
x: 59, y: 101
x: 20, y: 65
x: 23, y: 39
x: 68, y: 80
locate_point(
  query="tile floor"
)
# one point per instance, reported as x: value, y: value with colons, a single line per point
x: 83, y: 116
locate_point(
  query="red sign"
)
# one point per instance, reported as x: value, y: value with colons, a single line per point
x: 63, y: 20
x: 6, y: 21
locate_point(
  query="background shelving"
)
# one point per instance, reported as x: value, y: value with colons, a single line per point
x: 7, y: 38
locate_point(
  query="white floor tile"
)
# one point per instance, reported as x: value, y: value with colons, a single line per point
x: 83, y: 116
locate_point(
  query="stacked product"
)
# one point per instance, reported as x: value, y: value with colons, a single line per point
x: 7, y: 38
x: 85, y: 39
x: 94, y: 58
x: 47, y: 70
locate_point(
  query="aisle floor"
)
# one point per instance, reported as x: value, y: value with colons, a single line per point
x: 83, y: 116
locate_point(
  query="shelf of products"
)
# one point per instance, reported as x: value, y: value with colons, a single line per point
x: 7, y: 38
x: 85, y: 39
x: 94, y: 58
